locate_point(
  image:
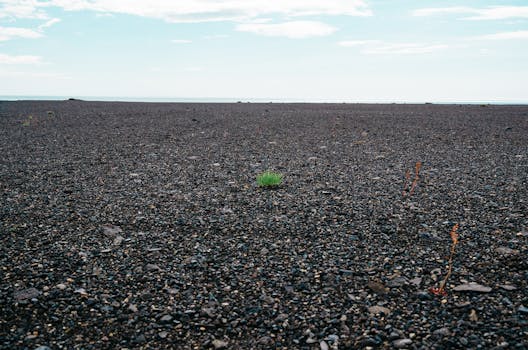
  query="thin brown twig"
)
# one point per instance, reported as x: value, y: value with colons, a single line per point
x: 406, y: 182
x: 441, y: 289
x: 416, y: 177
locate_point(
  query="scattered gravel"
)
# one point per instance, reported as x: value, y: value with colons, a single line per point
x: 134, y: 225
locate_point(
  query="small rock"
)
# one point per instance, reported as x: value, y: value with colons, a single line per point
x: 43, y: 347
x: 435, y: 273
x: 111, y: 230
x: 473, y: 317
x: 369, y: 342
x: 227, y: 210
x: 163, y: 334
x: 311, y: 340
x: 416, y: 281
x: 377, y: 287
x: 81, y: 291
x: 397, y: 282
x: 265, y: 340
x: 523, y: 309
x: 323, y: 345
x: 506, y: 251
x: 394, y: 335
x: 152, y: 267
x: 166, y: 318
x: 333, y: 338
x: 97, y: 271
x: 118, y: 240
x: 132, y: 308
x: 209, y: 311
x: 423, y: 295
x: 429, y: 236
x: 472, y: 287
x: 401, y: 343
x: 140, y: 339
x: 375, y: 310
x: 61, y: 286
x: 281, y: 317
x: 26, y: 294
x: 220, y: 344
x: 463, y: 341
x: 442, y: 332
x: 462, y: 304
x: 508, y: 287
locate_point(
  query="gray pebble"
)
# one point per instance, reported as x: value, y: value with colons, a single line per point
x: 402, y: 343
x: 442, y: 332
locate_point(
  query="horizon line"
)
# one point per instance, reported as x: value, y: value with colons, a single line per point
x: 146, y: 99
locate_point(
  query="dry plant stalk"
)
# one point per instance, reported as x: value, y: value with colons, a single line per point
x: 417, y: 168
x: 454, y: 237
x: 416, y: 177
x: 406, y: 182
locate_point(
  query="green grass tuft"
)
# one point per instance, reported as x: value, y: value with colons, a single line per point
x: 269, y: 179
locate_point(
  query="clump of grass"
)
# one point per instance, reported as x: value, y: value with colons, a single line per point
x: 441, y: 290
x: 269, y: 179
x: 28, y: 121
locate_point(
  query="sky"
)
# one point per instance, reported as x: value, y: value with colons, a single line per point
x: 297, y: 50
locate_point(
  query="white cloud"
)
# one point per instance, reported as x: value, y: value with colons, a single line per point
x: 191, y: 10
x: 49, y: 23
x: 215, y: 36
x: 376, y: 47
x: 8, y: 33
x: 22, y: 74
x: 181, y: 41
x: 403, y: 49
x: 294, y: 29
x: 24, y: 59
x: 520, y: 34
x: 22, y: 9
x: 103, y: 15
x: 352, y: 43
x: 488, y: 13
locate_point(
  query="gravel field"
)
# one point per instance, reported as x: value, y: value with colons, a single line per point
x: 141, y: 226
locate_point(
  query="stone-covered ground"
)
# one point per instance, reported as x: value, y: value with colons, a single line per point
x: 135, y: 225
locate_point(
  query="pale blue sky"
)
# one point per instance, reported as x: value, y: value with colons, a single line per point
x: 312, y: 50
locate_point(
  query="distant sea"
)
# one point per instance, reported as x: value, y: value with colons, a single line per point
x: 233, y: 100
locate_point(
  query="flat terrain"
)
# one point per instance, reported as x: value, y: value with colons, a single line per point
x: 135, y: 225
